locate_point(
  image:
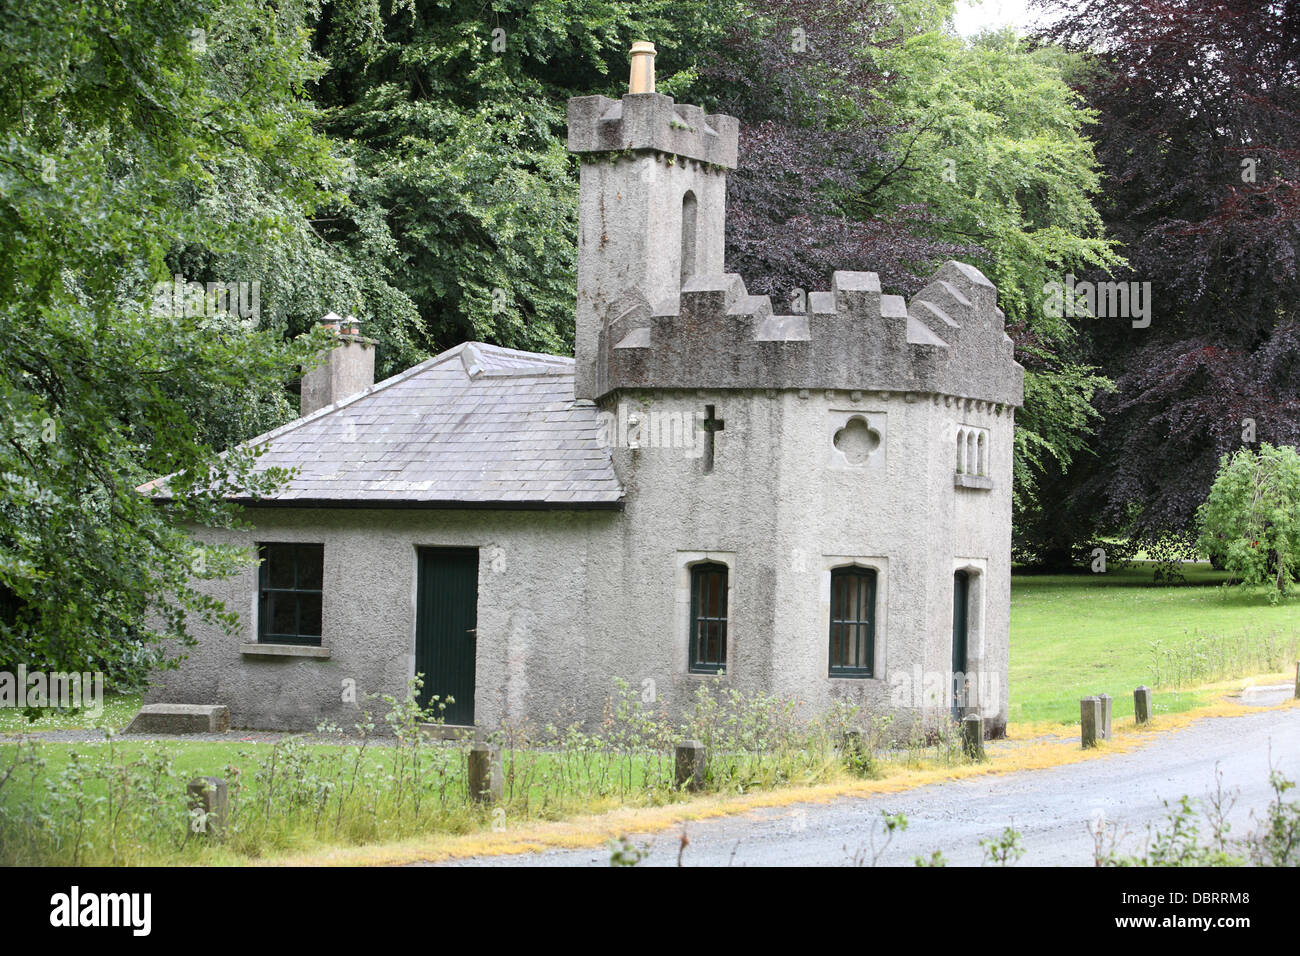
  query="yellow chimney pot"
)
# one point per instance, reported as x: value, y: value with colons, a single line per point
x: 643, y: 68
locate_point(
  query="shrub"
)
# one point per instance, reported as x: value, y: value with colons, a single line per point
x: 1251, y: 518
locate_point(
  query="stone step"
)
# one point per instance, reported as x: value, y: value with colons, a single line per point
x: 180, y: 719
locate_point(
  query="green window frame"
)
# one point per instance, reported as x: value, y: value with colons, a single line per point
x: 290, y: 592
x: 853, y: 622
x: 708, y: 623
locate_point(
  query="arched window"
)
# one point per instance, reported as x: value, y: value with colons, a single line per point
x: 984, y: 454
x: 971, y: 455
x: 853, y: 622
x: 708, y: 624
x: 689, y: 211
x: 961, y: 451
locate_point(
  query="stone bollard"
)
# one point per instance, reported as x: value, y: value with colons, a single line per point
x: 1089, y: 721
x: 1142, y: 705
x: 972, y: 736
x: 485, y: 777
x: 1105, y: 703
x: 208, y: 799
x: 690, y: 765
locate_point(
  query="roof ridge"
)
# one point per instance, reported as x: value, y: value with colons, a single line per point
x: 546, y: 356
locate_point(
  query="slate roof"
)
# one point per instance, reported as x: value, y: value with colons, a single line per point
x: 476, y: 426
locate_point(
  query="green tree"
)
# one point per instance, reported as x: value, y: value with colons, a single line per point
x: 455, y: 115
x: 994, y: 150
x: 1251, y: 517
x: 126, y: 129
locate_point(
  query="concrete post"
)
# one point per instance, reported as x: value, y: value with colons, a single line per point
x: 1104, y: 713
x: 972, y: 736
x: 485, y: 777
x: 690, y: 765
x: 208, y: 799
x: 1142, y: 704
x: 1089, y: 721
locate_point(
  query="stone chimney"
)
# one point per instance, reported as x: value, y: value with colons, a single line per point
x: 348, y: 368
x: 651, y: 209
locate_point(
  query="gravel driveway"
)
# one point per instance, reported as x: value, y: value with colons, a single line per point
x: 1052, y: 808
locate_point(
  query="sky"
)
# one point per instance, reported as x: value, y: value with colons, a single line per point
x: 972, y: 16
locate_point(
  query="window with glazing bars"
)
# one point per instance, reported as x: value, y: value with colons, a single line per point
x: 853, y: 622
x: 289, y: 593
x: 708, y: 652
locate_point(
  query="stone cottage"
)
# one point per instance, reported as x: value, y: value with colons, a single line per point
x: 817, y: 505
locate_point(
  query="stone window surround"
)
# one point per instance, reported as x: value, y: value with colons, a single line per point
x: 253, y: 650
x: 284, y: 650
x: 972, y: 444
x: 880, y: 565
x: 876, y: 420
x: 682, y: 611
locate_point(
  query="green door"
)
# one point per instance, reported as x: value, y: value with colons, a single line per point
x: 960, y: 613
x: 446, y: 619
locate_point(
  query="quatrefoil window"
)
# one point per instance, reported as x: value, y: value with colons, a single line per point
x: 857, y: 440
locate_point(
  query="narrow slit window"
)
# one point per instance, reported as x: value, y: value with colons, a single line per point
x: 689, y: 209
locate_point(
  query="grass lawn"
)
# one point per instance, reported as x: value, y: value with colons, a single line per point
x: 118, y: 711
x: 1075, y: 635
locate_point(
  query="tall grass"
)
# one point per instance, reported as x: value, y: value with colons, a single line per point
x: 1203, y: 658
x: 118, y: 803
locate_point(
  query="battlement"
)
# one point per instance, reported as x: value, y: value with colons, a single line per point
x: 652, y: 121
x: 948, y: 339
x: 655, y: 310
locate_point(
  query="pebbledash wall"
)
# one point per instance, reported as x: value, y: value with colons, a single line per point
x: 866, y: 430
x: 570, y: 600
x: 782, y: 508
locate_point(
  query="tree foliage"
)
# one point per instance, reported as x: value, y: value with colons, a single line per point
x: 1198, y: 105
x: 454, y: 113
x: 1251, y: 518
x: 816, y: 150
x: 992, y: 144
x: 119, y: 122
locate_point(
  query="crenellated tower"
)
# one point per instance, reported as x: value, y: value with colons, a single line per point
x: 652, y: 209
x: 867, y: 437
x: 656, y: 310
